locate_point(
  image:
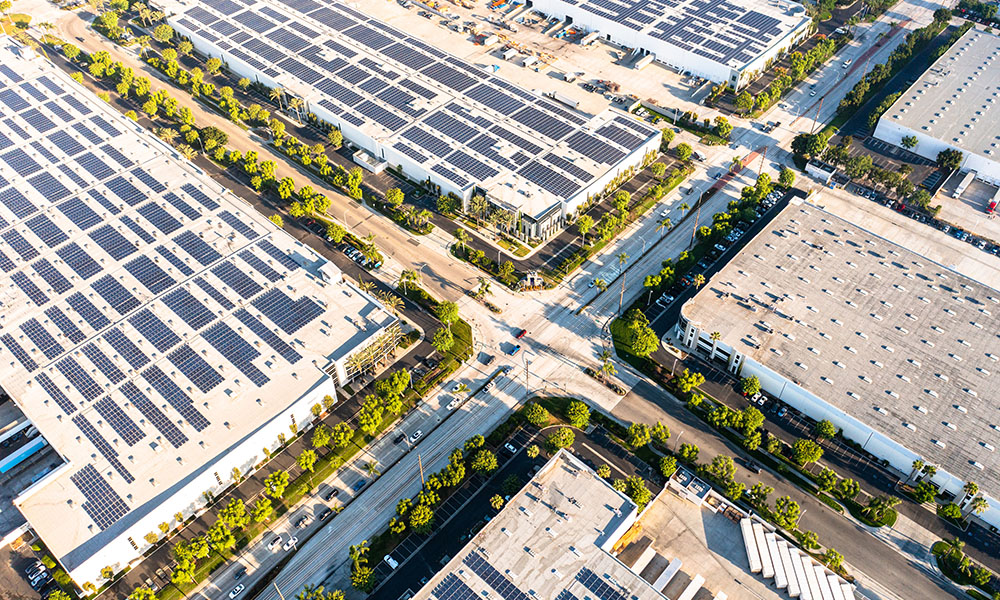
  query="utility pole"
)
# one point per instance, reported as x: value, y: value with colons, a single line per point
x: 816, y: 120
x: 420, y: 463
x: 763, y: 158
x: 697, y: 219
x: 280, y: 595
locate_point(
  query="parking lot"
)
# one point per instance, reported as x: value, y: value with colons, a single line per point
x: 968, y: 211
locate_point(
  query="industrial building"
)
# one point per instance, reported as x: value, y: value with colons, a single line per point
x: 897, y: 351
x: 553, y: 538
x: 954, y: 105
x: 726, y: 42
x: 156, y: 330
x: 410, y: 105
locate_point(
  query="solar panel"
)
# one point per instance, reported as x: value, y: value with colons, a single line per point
x: 20, y: 245
x: 115, y: 294
x: 77, y: 211
x: 56, y: 281
x: 195, y: 368
x: 41, y: 338
x: 6, y: 264
x: 108, y: 128
x: 189, y: 308
x: 25, y: 359
x: 493, y: 98
x: 103, y: 505
x: 161, y: 219
x: 236, y: 350
x: 214, y: 293
x: 48, y: 186
x: 103, y: 364
x: 86, y: 132
x: 176, y: 397
x: 186, y: 209
x: 289, y: 315
x: 259, y: 265
x: 283, y: 259
x: 126, y: 348
x: 269, y: 337
x: 549, y: 180
x: 65, y: 325
x: 239, y: 225
x: 88, y: 311
x: 112, y: 242
x: 149, y: 274
x: 598, y: 586
x: 137, y: 229
x: 16, y: 203
x: 102, y: 445
x: 154, y: 330
x: 36, y: 119
x: 453, y: 588
x: 28, y: 287
x: 116, y: 156
x: 199, y: 196
x: 79, y: 378
x: 543, y: 123
x: 197, y: 248
x: 174, y: 261
x: 78, y: 260
x: 103, y: 201
x: 474, y: 167
x: 239, y: 281
x: 154, y: 415
x: 493, y: 578
x: 47, y: 231
x: 56, y: 394
x: 119, y: 420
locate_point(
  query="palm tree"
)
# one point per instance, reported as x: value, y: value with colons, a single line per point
x: 505, y: 219
x: 484, y: 287
x: 372, y: 469
x: 187, y: 151
x: 296, y: 104
x: 664, y: 224
x: 699, y: 280
x: 979, y: 505
x: 956, y: 549
x: 358, y: 552
x: 408, y: 276
x: 478, y: 206
x: 715, y: 336
x: 167, y: 134
x: 277, y: 94
x: 462, y: 237
x: 916, y: 468
x: 736, y: 165
x: 462, y: 389
x: 601, y: 284
x: 366, y: 286
x: 370, y: 251
x: 622, y: 259
x: 391, y: 301
x: 606, y: 367
x: 144, y: 43
x: 684, y: 207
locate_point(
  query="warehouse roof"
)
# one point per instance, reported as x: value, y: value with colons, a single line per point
x: 453, y: 118
x: 149, y: 315
x: 731, y: 33
x: 890, y: 337
x: 957, y: 100
x: 550, y: 541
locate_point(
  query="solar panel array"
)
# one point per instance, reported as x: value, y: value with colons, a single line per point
x: 421, y: 103
x: 724, y: 31
x: 125, y: 279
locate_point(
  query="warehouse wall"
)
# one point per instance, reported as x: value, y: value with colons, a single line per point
x: 891, y: 131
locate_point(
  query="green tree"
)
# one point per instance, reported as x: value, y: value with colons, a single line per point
x: 909, y: 142
x: 683, y: 152
x: 275, y: 484
x: 950, y: 159
x: 786, y: 513
x: 744, y: 102
x: 826, y: 480
x: 370, y: 415
x: 532, y: 451
x: 638, y: 435
x: 496, y: 501
x: 421, y: 518
x: 321, y: 435
x: 786, y: 178
x: 722, y: 469
x: 806, y: 451
x: 506, y: 269
x: 689, y: 453
x: 578, y: 414
x: 536, y: 414
x: 925, y: 492
x: 163, y: 33
x: 825, y: 430
x: 750, y: 385
x: 562, y: 438
x: 139, y: 593
x: 341, y: 435
x: 833, y: 559
x: 658, y: 169
x: 485, y: 461
x: 313, y: 592
x: 688, y: 381
x: 847, y: 489
x: 666, y: 136
x: 604, y: 471
x: 70, y: 51
x: 307, y: 460
x: 668, y: 466
x: 443, y: 340
x: 635, y: 488
x: 235, y: 515
x: 584, y: 224
x: 447, y: 313
x: 759, y: 493
x: 363, y: 578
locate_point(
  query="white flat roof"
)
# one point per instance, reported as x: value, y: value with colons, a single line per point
x: 729, y: 33
x: 897, y: 341
x: 957, y: 100
x: 549, y: 539
x: 150, y: 319
x: 457, y: 120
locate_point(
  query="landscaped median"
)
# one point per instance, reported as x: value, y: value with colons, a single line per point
x: 958, y: 567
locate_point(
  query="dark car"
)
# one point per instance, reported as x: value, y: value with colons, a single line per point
x: 325, y: 514
x: 514, y: 350
x: 331, y: 494
x: 240, y: 573
x: 490, y: 359
x: 752, y: 466
x: 399, y: 438
x: 521, y: 333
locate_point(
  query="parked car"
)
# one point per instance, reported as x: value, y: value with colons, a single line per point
x: 330, y: 495
x: 416, y: 436
x: 274, y: 543
x: 490, y: 359
x: 237, y: 591
x: 399, y: 438
x: 489, y: 385
x: 325, y: 514
x: 392, y: 562
x: 291, y: 542
x: 453, y: 404
x: 34, y: 566
x: 521, y: 334
x: 239, y: 573
x: 303, y: 521
x: 510, y: 448
x: 752, y: 466
x: 514, y: 350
